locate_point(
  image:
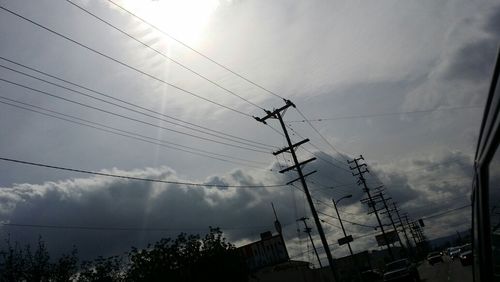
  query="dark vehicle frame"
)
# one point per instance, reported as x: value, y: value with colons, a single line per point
x: 434, y: 257
x: 489, y: 138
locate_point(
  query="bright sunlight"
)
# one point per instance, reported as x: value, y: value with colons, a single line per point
x: 183, y: 19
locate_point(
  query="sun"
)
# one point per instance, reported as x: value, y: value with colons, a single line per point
x: 185, y: 20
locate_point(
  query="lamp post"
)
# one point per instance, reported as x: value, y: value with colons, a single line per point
x: 340, y: 220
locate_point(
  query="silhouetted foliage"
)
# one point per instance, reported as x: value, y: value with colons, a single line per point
x: 186, y: 258
x: 66, y: 267
x: 102, y: 270
x: 22, y: 264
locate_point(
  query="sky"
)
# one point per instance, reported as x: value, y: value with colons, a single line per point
x: 86, y: 85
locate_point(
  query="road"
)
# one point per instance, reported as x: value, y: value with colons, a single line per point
x: 449, y: 270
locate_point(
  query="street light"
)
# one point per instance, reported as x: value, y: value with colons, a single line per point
x: 340, y: 220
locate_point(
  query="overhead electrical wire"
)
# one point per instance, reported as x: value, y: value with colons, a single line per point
x: 321, y: 135
x: 348, y: 221
x: 194, y: 50
x: 321, y: 250
x: 130, y: 118
x: 319, y: 212
x: 131, y: 135
x: 162, y: 54
x: 136, y: 111
x: 134, y: 229
x: 129, y: 103
x: 387, y: 114
x: 137, y: 178
x: 446, y: 212
x: 123, y: 63
x: 317, y: 155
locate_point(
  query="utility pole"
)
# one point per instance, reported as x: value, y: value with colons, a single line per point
x: 355, y: 260
x: 402, y: 224
x: 371, y: 202
x: 307, y: 230
x: 340, y: 220
x: 388, y: 212
x: 412, y: 232
x: 276, y: 114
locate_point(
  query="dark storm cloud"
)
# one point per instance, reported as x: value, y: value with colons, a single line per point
x: 242, y: 213
x: 473, y: 61
x: 102, y: 202
x: 426, y: 186
x: 492, y: 25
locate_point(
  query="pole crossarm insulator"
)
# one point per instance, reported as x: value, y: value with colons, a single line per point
x: 273, y: 114
x: 291, y: 148
x: 297, y: 165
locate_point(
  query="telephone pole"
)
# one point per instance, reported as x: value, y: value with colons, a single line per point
x: 402, y: 224
x: 277, y: 114
x: 371, y: 202
x: 307, y: 230
x: 412, y: 232
x: 388, y: 212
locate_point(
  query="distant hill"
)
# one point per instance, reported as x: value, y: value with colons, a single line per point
x: 453, y: 239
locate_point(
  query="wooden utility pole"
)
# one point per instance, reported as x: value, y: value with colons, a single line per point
x: 277, y: 114
x: 402, y: 224
x: 388, y: 212
x: 371, y: 202
x: 307, y: 230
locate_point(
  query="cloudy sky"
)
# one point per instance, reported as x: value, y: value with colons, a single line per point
x: 86, y: 85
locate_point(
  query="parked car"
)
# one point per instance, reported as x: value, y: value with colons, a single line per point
x: 454, y: 253
x: 401, y: 270
x: 466, y: 258
x: 466, y: 255
x: 371, y: 275
x: 434, y: 257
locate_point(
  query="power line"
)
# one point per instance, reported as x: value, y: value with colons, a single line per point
x: 135, y: 111
x: 387, y: 114
x: 316, y: 155
x: 321, y: 135
x: 127, y: 103
x: 162, y: 54
x: 137, y: 178
x: 336, y: 243
x: 446, y: 212
x: 351, y: 222
x: 135, y: 229
x: 194, y: 50
x: 130, y: 118
x: 128, y: 134
x: 124, y: 64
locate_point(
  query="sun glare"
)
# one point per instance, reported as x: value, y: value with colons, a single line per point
x: 183, y: 19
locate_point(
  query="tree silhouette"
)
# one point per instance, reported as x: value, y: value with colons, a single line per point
x: 188, y: 258
x: 21, y: 264
x: 102, y: 270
